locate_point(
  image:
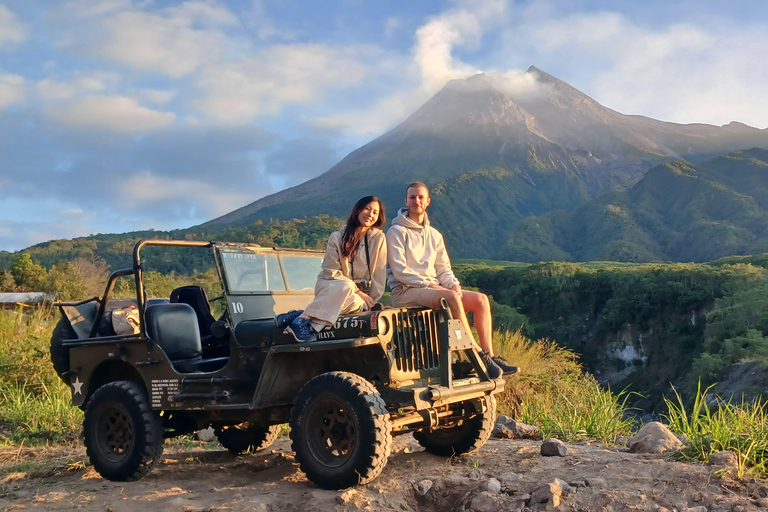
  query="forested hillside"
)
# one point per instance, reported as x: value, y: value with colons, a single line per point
x: 680, y: 211
x: 646, y: 326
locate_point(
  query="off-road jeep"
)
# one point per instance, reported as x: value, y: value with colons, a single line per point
x: 372, y: 376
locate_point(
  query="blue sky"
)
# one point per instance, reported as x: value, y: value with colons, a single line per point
x: 120, y: 115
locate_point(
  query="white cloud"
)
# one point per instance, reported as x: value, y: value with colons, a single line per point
x: 281, y: 74
x: 11, y: 89
x: 173, y: 41
x: 145, y: 189
x: 115, y: 113
x: 12, y: 31
x: 51, y: 89
x: 680, y: 72
x: 157, y: 96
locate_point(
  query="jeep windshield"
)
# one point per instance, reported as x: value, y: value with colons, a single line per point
x: 249, y: 271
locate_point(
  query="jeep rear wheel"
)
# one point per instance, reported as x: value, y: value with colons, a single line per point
x: 59, y: 354
x: 123, y: 436
x: 340, y: 430
x: 247, y: 437
x: 464, y: 435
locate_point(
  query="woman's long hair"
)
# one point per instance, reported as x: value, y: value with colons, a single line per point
x: 350, y: 239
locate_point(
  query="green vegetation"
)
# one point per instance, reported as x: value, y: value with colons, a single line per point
x: 35, y: 406
x: 738, y: 427
x: 639, y: 325
x: 555, y: 394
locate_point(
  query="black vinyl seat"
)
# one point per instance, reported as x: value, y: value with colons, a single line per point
x: 195, y: 297
x: 174, y: 327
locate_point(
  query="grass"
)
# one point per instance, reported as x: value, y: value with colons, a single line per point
x: 738, y: 427
x: 553, y: 393
x: 35, y: 405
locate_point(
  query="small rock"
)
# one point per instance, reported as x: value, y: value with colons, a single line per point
x: 501, y: 431
x: 621, y: 440
x: 492, y: 485
x: 596, y: 483
x: 510, y: 477
x: 654, y: 437
x: 484, y: 502
x: 550, y: 493
x: 700, y: 508
x: 762, y: 502
x: 725, y: 458
x: 423, y: 487
x: 524, y: 431
x: 577, y: 483
x: 476, y: 474
x: 406, y: 450
x: 554, y: 447
x: 346, y: 496
x: 205, y: 435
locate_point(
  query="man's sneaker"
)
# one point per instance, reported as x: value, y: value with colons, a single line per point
x: 284, y: 320
x: 301, y: 330
x: 507, y: 368
x: 494, y: 371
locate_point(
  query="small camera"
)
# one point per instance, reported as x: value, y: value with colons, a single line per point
x: 364, y: 285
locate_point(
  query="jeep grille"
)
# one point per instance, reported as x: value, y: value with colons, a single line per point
x: 416, y: 341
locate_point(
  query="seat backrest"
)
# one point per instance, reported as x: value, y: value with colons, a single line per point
x: 196, y: 297
x: 174, y: 328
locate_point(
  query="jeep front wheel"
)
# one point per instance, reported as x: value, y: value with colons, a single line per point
x: 247, y: 437
x: 462, y: 435
x: 340, y: 430
x: 123, y: 436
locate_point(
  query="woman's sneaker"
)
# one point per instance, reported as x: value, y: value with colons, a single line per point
x: 284, y: 320
x: 301, y: 330
x: 507, y: 368
x: 494, y: 371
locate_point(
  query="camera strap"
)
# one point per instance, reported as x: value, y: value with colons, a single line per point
x: 367, y: 261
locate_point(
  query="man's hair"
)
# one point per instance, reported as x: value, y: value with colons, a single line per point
x: 414, y: 185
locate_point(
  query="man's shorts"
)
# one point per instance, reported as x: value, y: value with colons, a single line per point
x: 408, y: 297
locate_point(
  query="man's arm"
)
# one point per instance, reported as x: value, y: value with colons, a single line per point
x: 396, y: 249
x: 443, y: 268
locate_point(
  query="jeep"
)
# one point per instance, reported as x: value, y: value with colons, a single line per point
x: 178, y: 369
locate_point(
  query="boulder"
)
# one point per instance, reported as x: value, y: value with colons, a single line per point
x: 725, y: 458
x: 508, y: 428
x: 206, y: 435
x: 654, y: 437
x: 554, y: 447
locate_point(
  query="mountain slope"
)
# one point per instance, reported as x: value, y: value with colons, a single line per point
x: 679, y: 211
x: 495, y: 155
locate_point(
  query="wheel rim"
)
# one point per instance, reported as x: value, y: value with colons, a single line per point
x: 115, y: 435
x: 332, y: 432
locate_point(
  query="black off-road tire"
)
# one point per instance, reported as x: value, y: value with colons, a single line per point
x: 59, y: 354
x: 340, y: 430
x: 465, y: 436
x: 247, y: 437
x: 123, y: 436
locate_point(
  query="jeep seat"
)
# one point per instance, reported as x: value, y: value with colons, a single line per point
x: 195, y: 297
x: 174, y: 328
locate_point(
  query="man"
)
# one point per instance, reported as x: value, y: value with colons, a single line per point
x: 419, y: 274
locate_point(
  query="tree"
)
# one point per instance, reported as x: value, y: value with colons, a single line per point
x: 93, y: 271
x: 65, y: 282
x: 29, y: 276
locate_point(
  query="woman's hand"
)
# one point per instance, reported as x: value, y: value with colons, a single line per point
x: 368, y: 300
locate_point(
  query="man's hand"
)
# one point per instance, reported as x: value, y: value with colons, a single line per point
x: 457, y: 288
x: 436, y: 286
x: 368, y: 300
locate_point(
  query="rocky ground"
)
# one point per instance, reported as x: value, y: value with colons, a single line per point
x: 506, y: 474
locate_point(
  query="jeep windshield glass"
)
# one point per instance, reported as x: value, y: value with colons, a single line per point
x: 251, y: 272
x: 301, y: 271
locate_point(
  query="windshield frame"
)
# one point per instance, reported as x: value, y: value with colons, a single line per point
x: 279, y: 253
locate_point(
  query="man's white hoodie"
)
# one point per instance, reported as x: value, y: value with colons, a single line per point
x: 416, y: 254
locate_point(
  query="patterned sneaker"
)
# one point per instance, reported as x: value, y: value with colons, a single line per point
x: 284, y: 320
x: 507, y: 368
x: 494, y: 371
x: 301, y: 330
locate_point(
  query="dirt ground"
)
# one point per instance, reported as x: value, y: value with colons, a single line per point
x: 204, y: 478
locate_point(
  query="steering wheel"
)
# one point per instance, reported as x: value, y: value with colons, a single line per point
x: 218, y: 297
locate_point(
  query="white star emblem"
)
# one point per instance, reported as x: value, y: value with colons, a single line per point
x: 78, y: 386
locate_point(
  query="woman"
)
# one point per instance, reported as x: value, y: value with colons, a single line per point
x: 353, y: 275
